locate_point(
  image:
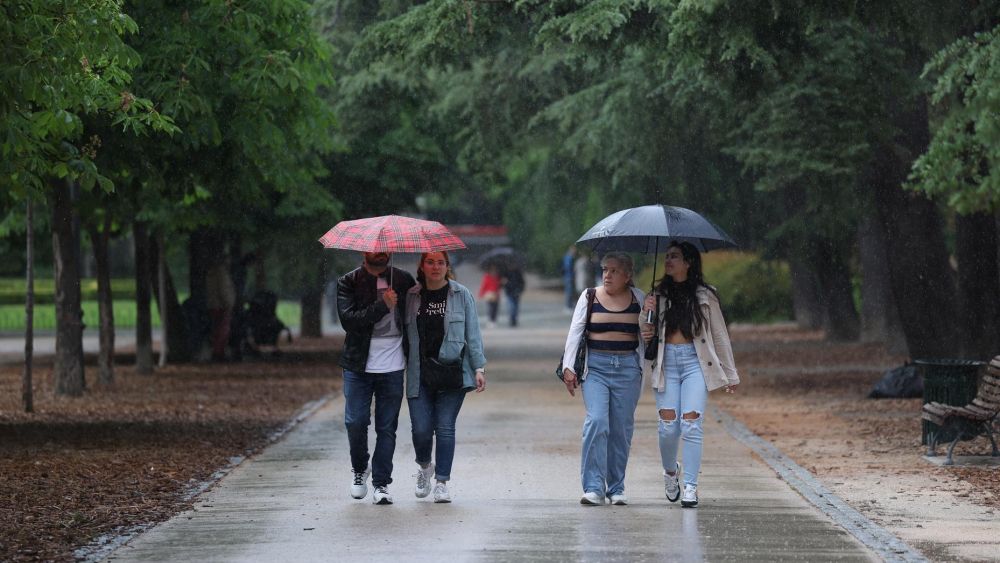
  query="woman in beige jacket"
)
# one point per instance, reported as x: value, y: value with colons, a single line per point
x: 693, y: 357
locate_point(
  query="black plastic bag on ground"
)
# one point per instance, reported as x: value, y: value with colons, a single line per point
x: 904, y: 382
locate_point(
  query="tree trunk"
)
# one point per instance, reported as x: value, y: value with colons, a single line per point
x: 805, y: 294
x: 879, y: 317
x: 68, y: 368
x: 840, y: 318
x: 106, y: 353
x: 27, y: 394
x: 922, y: 281
x: 978, y: 272
x: 311, y: 315
x: 180, y: 347
x: 143, y: 314
x: 161, y: 282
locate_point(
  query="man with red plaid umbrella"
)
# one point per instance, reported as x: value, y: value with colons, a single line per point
x: 370, y: 304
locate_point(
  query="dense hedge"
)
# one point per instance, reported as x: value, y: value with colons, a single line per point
x: 12, y: 290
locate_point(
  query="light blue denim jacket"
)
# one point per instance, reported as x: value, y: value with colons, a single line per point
x: 461, y: 331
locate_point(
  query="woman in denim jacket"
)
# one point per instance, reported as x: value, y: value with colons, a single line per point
x: 611, y: 380
x: 693, y: 357
x: 442, y: 324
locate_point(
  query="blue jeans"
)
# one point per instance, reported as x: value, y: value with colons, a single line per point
x: 513, y: 303
x: 359, y: 389
x: 684, y: 393
x: 571, y: 295
x: 610, y: 394
x: 434, y: 414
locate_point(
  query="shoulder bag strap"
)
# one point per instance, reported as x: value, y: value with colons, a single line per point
x: 591, y: 293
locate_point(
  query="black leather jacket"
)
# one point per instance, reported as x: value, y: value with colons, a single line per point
x: 359, y: 308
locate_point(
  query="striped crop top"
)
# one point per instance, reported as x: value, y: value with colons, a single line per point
x: 614, y: 331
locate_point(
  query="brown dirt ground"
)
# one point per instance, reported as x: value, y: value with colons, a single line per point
x: 130, y: 454
x: 808, y: 397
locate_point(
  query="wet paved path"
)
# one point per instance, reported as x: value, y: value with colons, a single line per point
x: 516, y: 486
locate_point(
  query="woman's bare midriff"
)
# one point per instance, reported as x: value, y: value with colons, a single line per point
x: 677, y: 337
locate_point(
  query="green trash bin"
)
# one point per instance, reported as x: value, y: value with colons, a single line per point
x: 951, y: 382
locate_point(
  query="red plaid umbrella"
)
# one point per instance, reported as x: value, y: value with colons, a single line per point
x: 391, y: 233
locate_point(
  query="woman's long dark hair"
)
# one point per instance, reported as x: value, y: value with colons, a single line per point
x: 683, y: 312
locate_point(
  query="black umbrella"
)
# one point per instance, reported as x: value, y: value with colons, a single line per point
x: 649, y: 228
x: 504, y: 258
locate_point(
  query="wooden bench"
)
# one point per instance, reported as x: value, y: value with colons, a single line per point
x: 969, y: 421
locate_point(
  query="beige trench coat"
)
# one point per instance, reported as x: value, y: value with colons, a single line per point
x: 715, y: 353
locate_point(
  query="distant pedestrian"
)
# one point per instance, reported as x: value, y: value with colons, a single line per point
x: 611, y: 380
x: 513, y: 287
x: 568, y: 277
x: 582, y: 273
x: 238, y: 273
x: 489, y: 291
x: 445, y: 362
x: 693, y: 357
x: 373, y: 359
x: 220, y: 297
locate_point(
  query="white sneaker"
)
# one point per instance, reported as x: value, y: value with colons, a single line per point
x: 423, y: 476
x: 690, y: 497
x: 359, y: 488
x: 671, y: 486
x: 591, y: 499
x: 618, y: 499
x: 381, y: 495
x: 441, y: 493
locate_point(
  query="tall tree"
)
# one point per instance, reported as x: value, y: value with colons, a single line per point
x: 68, y: 61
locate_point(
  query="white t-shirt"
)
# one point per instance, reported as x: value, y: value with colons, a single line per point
x: 386, y: 351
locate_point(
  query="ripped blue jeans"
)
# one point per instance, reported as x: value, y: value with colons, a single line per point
x: 684, y: 393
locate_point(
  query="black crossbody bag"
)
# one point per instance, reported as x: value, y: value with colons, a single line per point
x: 437, y: 376
x: 581, y: 350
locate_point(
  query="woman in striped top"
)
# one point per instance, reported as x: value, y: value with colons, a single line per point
x: 611, y: 380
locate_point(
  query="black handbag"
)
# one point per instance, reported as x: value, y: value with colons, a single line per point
x: 437, y: 376
x: 580, y: 360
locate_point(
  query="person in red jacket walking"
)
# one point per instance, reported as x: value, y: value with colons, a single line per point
x: 489, y: 291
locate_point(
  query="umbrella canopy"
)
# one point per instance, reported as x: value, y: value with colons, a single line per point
x: 650, y: 228
x: 505, y: 258
x: 391, y: 233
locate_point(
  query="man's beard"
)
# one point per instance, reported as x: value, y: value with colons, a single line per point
x: 377, y: 260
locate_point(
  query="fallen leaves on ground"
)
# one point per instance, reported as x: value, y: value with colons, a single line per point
x: 809, y: 398
x: 130, y: 454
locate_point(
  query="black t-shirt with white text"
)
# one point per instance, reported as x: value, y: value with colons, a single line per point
x: 430, y: 320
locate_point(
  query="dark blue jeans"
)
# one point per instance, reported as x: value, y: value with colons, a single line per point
x: 435, y: 414
x: 387, y: 390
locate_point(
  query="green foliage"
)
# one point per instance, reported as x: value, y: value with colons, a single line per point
x: 12, y: 316
x: 242, y: 82
x: 751, y: 289
x: 66, y: 59
x: 12, y: 290
x: 962, y: 164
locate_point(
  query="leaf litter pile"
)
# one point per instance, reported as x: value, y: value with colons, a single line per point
x: 133, y: 453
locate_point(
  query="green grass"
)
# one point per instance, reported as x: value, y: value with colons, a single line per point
x: 12, y: 316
